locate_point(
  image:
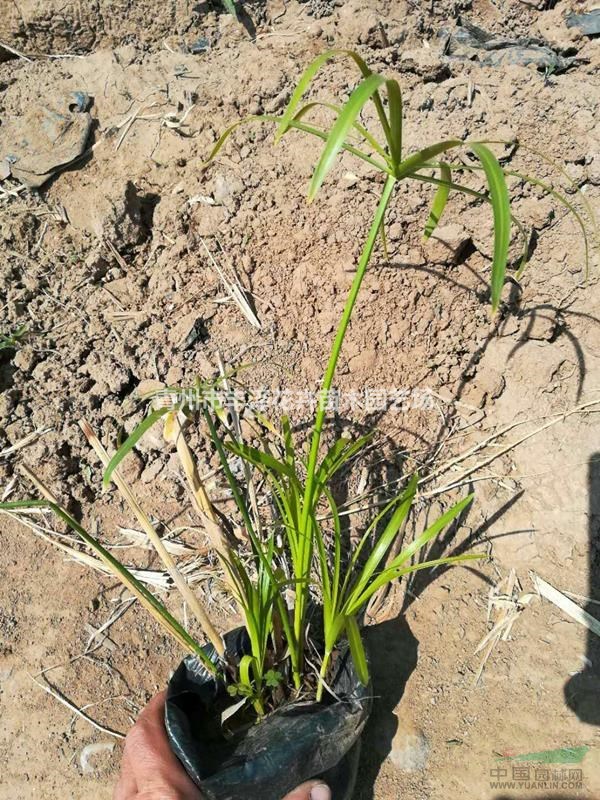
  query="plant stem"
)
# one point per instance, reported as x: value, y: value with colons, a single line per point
x: 322, y: 675
x: 327, y: 382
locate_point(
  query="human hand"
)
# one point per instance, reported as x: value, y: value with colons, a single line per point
x: 149, y: 768
x: 151, y: 771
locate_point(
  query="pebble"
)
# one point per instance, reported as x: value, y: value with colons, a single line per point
x: 410, y: 748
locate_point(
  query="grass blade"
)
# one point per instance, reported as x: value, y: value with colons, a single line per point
x: 392, y: 574
x: 357, y: 649
x: 432, y: 531
x: 360, y: 129
x: 146, y: 598
x: 131, y: 441
x: 439, y: 201
x: 385, y: 540
x: 363, y: 92
x: 501, y: 210
x: 421, y: 157
x: 167, y: 559
x: 395, y: 109
x: 306, y: 79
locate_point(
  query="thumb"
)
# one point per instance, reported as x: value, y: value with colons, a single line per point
x: 311, y: 790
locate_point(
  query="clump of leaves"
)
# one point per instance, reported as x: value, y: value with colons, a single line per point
x: 12, y: 341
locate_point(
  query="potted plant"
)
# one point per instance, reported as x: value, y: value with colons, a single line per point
x: 285, y: 698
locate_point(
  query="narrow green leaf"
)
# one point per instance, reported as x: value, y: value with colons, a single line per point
x: 146, y: 598
x: 246, y: 664
x: 335, y: 141
x: 501, y: 211
x: 290, y: 453
x: 339, y: 454
x: 360, y: 129
x: 391, y: 574
x: 357, y: 650
x: 395, y: 109
x: 298, y: 125
x: 421, y: 157
x: 385, y: 540
x: 259, y: 458
x: 131, y: 441
x: 439, y: 201
x: 432, y: 531
x: 337, y: 549
x: 230, y: 7
x: 306, y: 79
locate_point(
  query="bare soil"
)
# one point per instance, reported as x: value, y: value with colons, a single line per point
x: 106, y: 266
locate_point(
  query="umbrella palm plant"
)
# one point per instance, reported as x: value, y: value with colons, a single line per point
x: 293, y: 554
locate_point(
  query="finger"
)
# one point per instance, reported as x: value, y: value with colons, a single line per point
x: 154, y: 764
x: 126, y: 787
x: 311, y: 790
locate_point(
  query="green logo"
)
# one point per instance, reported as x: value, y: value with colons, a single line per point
x: 564, y: 755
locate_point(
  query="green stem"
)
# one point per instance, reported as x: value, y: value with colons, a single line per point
x: 339, y: 340
x: 322, y: 675
x: 327, y: 383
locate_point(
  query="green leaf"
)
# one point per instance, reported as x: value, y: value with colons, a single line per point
x: 439, y: 201
x: 288, y: 442
x: 357, y: 649
x: 421, y: 157
x: 246, y: 664
x: 357, y: 126
x: 501, y: 210
x: 131, y: 441
x: 230, y: 7
x: 146, y: 598
x: 305, y: 81
x: 385, y: 540
x: 395, y: 108
x: 389, y: 575
x: 273, y: 678
x: 259, y: 458
x: 432, y: 531
x: 339, y: 454
x: 336, y: 139
x: 13, y: 339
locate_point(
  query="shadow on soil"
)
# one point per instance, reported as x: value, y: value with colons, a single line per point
x: 582, y: 691
x: 393, y: 650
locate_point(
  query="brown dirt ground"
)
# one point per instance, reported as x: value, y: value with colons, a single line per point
x: 103, y: 324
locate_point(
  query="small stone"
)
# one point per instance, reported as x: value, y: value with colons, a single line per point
x: 395, y: 231
x: 592, y: 169
x: 349, y: 179
x: 147, y: 386
x: 119, y: 289
x: 411, y: 257
x: 132, y: 467
x: 540, y: 325
x: 226, y: 188
x: 152, y: 471
x: 206, y: 219
x: 174, y: 464
x: 174, y: 376
x: 410, y: 748
x: 447, y: 244
x: 25, y: 358
x: 188, y: 331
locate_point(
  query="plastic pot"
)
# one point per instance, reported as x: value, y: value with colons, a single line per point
x: 296, y: 743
